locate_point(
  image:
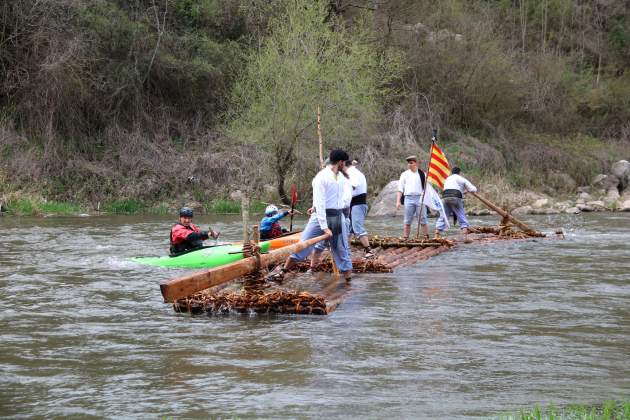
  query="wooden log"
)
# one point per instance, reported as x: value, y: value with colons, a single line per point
x: 406, y: 253
x: 408, y: 258
x: 502, y: 212
x: 415, y: 258
x: 185, y: 286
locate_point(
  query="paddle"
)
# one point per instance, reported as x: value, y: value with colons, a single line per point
x: 294, y: 199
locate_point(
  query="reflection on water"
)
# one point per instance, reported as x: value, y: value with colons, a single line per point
x: 478, y: 331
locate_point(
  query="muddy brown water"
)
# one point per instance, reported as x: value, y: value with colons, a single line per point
x: 480, y: 331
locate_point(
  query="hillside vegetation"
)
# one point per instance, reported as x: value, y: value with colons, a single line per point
x: 166, y: 101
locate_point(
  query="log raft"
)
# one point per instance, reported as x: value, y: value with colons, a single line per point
x: 182, y: 287
x: 321, y: 292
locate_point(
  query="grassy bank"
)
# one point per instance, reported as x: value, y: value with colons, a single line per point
x: 610, y: 410
x: 19, y: 205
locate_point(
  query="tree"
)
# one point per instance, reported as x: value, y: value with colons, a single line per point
x: 310, y: 59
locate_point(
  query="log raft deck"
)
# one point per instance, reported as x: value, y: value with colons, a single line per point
x: 245, y: 286
x: 214, y: 290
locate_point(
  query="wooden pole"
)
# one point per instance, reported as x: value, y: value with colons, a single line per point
x: 502, y: 212
x: 245, y: 214
x: 424, y: 187
x: 185, y: 286
x: 256, y: 234
x: 322, y: 166
x: 321, y: 142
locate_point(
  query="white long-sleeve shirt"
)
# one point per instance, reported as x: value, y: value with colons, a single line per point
x: 458, y: 182
x: 409, y: 183
x: 347, y: 190
x: 358, y: 181
x: 328, y: 193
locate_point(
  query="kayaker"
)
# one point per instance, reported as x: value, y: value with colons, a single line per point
x: 328, y: 202
x: 270, y: 226
x: 185, y: 236
x: 411, y: 186
x: 358, y: 206
x: 455, y: 186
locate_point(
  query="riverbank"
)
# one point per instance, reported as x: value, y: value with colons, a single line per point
x: 19, y: 205
x: 519, y: 202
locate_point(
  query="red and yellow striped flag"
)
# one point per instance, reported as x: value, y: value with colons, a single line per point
x: 438, y: 167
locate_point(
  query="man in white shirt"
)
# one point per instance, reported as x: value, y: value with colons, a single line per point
x: 329, y: 201
x: 455, y: 186
x: 411, y: 186
x: 358, y: 206
x: 347, y: 187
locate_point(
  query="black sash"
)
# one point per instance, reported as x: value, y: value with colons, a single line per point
x: 449, y: 193
x: 333, y: 219
x: 359, y: 199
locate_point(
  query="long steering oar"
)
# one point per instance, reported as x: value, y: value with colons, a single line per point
x: 294, y: 199
x: 502, y: 212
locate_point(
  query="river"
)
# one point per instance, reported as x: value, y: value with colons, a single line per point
x: 479, y: 331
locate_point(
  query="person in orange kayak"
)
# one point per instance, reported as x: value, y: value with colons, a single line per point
x: 185, y: 236
x: 270, y: 224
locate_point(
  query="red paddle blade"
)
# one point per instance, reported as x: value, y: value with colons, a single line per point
x: 294, y: 194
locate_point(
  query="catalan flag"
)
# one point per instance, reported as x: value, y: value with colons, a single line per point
x: 438, y: 167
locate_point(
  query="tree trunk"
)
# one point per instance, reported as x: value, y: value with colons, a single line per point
x: 281, y: 191
x: 284, y: 163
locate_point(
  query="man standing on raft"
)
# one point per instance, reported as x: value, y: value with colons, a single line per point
x: 455, y: 187
x: 410, y: 186
x: 328, y: 203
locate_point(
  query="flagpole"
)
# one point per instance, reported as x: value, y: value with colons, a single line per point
x: 426, y: 180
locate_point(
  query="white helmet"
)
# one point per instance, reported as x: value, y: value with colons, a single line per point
x: 271, y: 209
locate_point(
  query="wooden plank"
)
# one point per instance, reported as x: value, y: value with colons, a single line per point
x: 185, y: 286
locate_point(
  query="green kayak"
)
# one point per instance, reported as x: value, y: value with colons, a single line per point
x: 209, y: 257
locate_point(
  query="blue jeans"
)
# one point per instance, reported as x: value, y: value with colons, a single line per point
x: 358, y: 213
x: 453, y: 205
x: 339, y: 247
x: 413, y: 208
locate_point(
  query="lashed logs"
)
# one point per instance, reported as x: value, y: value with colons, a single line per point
x: 395, y: 242
x: 182, y: 287
x: 358, y: 266
x: 502, y: 212
x: 419, y: 256
x: 506, y: 232
x: 260, y: 297
x: 279, y: 302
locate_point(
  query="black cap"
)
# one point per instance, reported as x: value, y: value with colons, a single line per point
x: 455, y: 170
x: 185, y: 212
x: 337, y: 155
